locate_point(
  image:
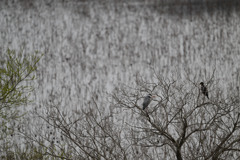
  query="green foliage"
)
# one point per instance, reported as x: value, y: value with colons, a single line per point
x: 15, y: 70
x: 16, y: 75
x: 36, y: 152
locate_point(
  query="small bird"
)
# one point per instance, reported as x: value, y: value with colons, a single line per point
x: 204, y: 90
x: 147, y: 100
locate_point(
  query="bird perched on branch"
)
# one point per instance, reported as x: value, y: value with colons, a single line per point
x: 147, y: 100
x: 204, y: 90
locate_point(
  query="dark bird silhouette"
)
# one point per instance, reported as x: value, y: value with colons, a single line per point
x: 204, y: 90
x: 147, y: 100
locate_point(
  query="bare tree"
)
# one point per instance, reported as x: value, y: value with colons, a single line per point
x: 181, y: 123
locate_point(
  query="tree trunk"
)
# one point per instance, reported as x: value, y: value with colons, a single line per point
x: 178, y: 154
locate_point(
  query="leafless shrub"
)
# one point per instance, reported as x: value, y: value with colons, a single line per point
x: 81, y: 134
x: 180, y: 123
